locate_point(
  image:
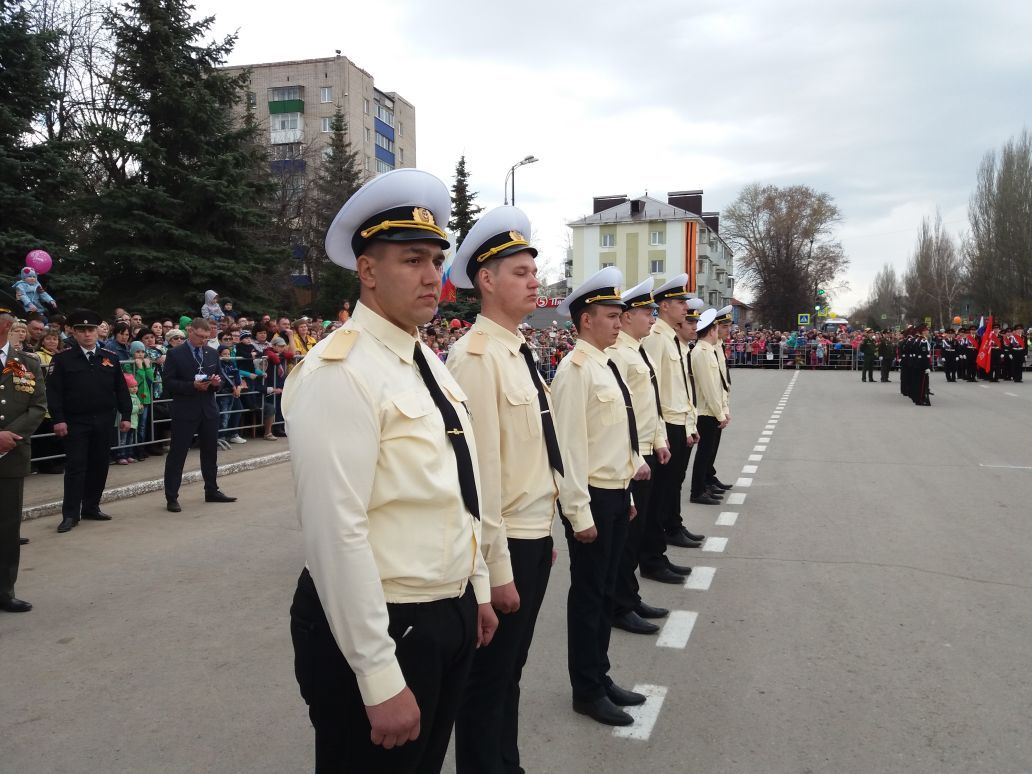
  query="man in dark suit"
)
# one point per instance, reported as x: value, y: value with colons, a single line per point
x: 192, y: 376
x: 23, y: 402
x: 84, y: 389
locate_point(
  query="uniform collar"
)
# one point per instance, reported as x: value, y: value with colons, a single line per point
x: 627, y: 340
x: 512, y: 341
x: 6, y: 349
x: 387, y: 333
x: 592, y: 351
x: 663, y: 327
x: 704, y: 343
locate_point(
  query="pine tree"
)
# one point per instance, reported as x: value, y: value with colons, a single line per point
x: 36, y: 177
x: 465, y: 210
x: 338, y: 178
x: 183, y: 213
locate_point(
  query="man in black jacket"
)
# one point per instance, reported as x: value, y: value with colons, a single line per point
x: 192, y: 376
x: 84, y: 390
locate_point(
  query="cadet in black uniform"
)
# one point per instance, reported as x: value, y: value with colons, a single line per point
x: 887, y: 353
x: 84, y: 390
x: 869, y: 350
x: 949, y: 355
x: 1019, y: 350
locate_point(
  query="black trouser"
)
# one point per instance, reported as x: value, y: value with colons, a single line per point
x: 705, y: 452
x: 868, y: 368
x: 487, y: 726
x: 995, y: 364
x: 626, y: 597
x: 434, y: 644
x: 950, y: 366
x: 10, y: 533
x: 886, y: 367
x: 87, y: 451
x: 711, y: 477
x: 589, y: 604
x: 207, y: 430
x: 666, y: 488
x: 1017, y: 366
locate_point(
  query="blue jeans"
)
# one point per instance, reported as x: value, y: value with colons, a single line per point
x: 126, y: 440
x: 229, y: 408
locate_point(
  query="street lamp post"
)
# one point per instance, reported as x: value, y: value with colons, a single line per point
x: 512, y: 174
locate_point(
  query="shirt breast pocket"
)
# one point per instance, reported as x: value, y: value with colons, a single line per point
x: 611, y: 407
x: 521, y: 414
x: 410, y: 414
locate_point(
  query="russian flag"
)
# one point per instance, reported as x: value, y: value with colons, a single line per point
x: 447, y: 286
x: 981, y: 326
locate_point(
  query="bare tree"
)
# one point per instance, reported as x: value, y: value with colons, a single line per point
x: 882, y: 306
x: 784, y: 247
x: 934, y: 278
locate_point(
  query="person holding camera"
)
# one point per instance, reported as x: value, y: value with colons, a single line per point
x: 192, y: 375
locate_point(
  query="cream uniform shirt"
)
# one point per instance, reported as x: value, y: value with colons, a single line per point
x: 671, y: 371
x: 651, y: 432
x: 594, y: 435
x: 710, y: 389
x: 722, y: 355
x: 377, y: 489
x: 517, y: 485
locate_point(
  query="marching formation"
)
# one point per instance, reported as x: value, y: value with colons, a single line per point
x: 427, y: 501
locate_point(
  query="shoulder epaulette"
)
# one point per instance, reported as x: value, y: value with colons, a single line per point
x: 578, y: 357
x: 340, y: 345
x: 477, y: 342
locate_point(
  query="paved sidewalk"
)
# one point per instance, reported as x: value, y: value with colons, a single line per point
x: 43, y: 491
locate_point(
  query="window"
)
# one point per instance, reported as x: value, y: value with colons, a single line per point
x: 401, y: 155
x: 286, y: 152
x: 607, y: 265
x: 609, y: 240
x: 383, y: 142
x: 327, y: 152
x: 658, y: 266
x: 383, y: 166
x: 401, y: 129
x: 365, y: 106
x: 283, y: 93
x: 327, y: 124
x: 367, y: 133
x: 657, y: 237
x: 385, y: 115
x: 252, y: 99
x: 366, y: 163
x: 326, y: 94
x: 282, y: 122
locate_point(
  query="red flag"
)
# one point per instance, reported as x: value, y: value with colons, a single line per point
x: 982, y: 360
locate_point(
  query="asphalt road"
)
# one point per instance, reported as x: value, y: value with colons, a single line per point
x: 870, y: 612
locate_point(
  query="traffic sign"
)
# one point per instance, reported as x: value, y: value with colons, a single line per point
x: 804, y: 319
x: 928, y: 321
x: 885, y: 317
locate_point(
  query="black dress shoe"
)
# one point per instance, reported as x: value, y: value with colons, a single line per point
x: 98, y: 516
x: 603, y: 711
x: 648, y: 611
x: 23, y: 541
x: 718, y: 483
x: 663, y: 575
x: 681, y: 569
x: 682, y: 541
x: 218, y: 497
x: 692, y: 535
x: 715, y: 492
x: 705, y: 500
x: 13, y: 605
x: 66, y: 525
x: 621, y: 697
x: 634, y: 623
x: 173, y: 506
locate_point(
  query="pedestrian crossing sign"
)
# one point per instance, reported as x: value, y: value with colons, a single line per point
x: 804, y: 319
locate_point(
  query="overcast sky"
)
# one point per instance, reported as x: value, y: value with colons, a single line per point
x: 887, y: 106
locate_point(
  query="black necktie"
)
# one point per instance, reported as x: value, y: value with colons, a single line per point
x: 725, y: 384
x: 198, y: 356
x: 555, y: 459
x: 687, y: 374
x: 627, y: 404
x: 652, y: 378
x: 453, y: 427
x: 89, y: 358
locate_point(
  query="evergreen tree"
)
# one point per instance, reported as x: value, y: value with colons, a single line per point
x: 35, y: 176
x: 465, y: 210
x: 338, y: 178
x: 183, y: 213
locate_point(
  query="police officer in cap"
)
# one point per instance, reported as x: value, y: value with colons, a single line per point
x: 22, y: 406
x: 394, y: 597
x: 723, y: 323
x: 84, y: 390
x: 520, y: 463
x: 599, y: 437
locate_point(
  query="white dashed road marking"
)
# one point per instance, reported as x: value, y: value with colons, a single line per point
x: 750, y: 468
x: 645, y: 715
x: 743, y: 482
x: 736, y: 498
x: 1011, y: 394
x: 677, y: 629
x: 700, y: 579
x: 725, y: 519
x: 755, y: 457
x: 759, y: 448
x: 715, y: 545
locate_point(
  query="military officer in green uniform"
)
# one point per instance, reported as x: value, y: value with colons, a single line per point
x: 870, y: 351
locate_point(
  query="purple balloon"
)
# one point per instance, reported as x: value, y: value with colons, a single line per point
x: 39, y: 260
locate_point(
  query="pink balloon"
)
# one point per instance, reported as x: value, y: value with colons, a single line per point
x: 39, y: 260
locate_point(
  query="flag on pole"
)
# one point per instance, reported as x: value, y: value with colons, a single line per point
x: 981, y: 326
x: 447, y: 286
x: 983, y: 358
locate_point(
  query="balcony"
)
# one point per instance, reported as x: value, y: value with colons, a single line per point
x: 281, y: 136
x: 287, y: 106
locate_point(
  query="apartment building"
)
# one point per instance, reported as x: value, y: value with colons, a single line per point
x: 644, y: 235
x: 294, y: 103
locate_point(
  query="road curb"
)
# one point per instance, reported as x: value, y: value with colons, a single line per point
x: 156, y: 484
